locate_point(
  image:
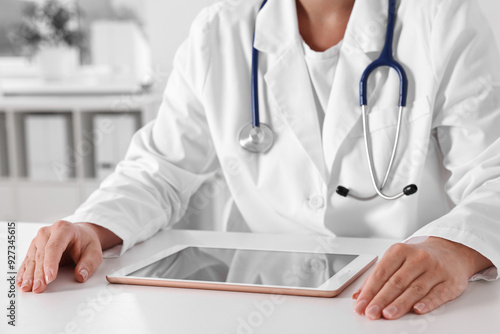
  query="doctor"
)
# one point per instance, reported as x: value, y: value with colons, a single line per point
x: 312, y: 54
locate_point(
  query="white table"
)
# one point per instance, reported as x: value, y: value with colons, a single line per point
x: 99, y: 307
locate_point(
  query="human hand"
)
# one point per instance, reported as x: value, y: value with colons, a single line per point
x: 62, y: 243
x: 419, y: 277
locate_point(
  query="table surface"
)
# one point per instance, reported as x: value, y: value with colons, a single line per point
x: 99, y: 307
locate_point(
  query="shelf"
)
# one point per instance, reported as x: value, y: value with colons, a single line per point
x: 84, y: 103
x: 24, y: 198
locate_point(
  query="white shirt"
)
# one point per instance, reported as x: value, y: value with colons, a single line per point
x: 321, y: 67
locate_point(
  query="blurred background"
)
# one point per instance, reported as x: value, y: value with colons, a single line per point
x: 77, y: 79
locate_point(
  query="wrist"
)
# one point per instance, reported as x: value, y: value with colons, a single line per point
x: 106, y: 238
x: 475, y: 261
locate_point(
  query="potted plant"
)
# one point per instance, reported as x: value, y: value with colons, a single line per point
x: 51, y: 33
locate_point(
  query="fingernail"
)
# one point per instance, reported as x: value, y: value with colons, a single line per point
x: 420, y: 307
x: 84, y: 273
x: 26, y: 283
x: 37, y: 284
x: 356, y: 294
x: 390, y: 311
x: 373, y: 312
x: 19, y: 280
x: 360, y: 306
x: 49, y: 276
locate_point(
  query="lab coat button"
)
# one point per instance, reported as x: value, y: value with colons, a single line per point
x: 316, y: 202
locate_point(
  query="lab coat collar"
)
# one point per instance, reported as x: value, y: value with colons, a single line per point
x: 363, y: 42
x: 289, y: 85
x: 287, y: 77
x: 367, y: 26
x: 276, y: 26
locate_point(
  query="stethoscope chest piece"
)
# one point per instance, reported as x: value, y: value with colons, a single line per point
x: 256, y: 139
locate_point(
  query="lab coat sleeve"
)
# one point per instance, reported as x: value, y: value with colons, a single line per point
x: 467, y: 128
x: 168, y: 159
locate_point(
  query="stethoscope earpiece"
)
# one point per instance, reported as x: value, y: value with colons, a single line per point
x: 410, y: 190
x: 342, y: 191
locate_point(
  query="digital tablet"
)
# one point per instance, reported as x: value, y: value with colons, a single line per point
x: 247, y: 270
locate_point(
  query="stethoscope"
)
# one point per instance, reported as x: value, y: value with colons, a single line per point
x: 258, y: 137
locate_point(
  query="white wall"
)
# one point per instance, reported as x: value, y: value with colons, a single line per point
x: 167, y: 26
x: 168, y: 22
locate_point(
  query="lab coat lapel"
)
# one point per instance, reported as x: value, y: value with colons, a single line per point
x: 287, y: 77
x: 363, y: 41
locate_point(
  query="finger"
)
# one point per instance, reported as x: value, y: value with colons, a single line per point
x: 417, y: 290
x: 388, y: 265
x: 406, y: 277
x: 90, y: 259
x: 29, y: 270
x: 28, y: 275
x: 58, y: 242
x: 439, y: 294
x: 20, y: 273
x: 355, y: 295
x: 22, y: 268
x: 38, y: 279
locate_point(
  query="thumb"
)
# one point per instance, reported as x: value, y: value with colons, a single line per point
x: 90, y: 260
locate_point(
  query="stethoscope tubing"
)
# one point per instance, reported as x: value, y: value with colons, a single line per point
x: 258, y: 138
x: 386, y: 59
x: 255, y: 81
x: 369, y: 157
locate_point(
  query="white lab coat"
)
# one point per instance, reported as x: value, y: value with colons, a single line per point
x: 449, y: 146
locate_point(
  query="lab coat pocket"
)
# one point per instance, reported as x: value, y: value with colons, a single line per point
x: 380, y: 118
x: 411, y: 151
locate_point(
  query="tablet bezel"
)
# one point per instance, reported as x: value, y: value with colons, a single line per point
x: 331, y: 288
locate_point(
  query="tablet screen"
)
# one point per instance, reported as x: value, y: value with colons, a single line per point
x: 242, y: 266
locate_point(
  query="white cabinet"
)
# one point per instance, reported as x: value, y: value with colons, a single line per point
x: 30, y: 151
